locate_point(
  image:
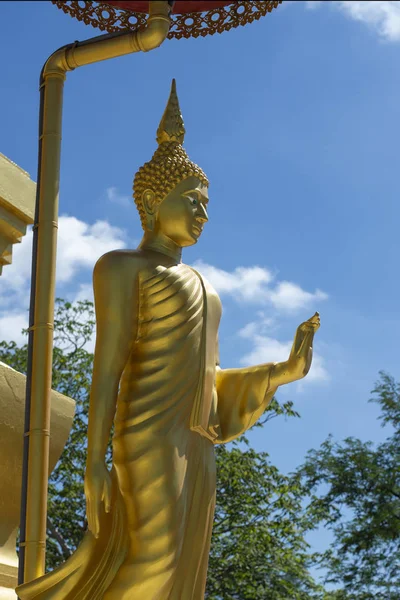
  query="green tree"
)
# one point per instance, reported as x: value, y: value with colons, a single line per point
x: 72, y: 371
x: 355, y: 489
x: 258, y: 549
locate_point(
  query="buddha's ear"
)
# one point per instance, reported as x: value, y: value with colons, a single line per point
x: 150, y: 206
x: 149, y: 201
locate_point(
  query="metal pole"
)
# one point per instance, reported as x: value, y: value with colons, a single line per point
x: 41, y: 316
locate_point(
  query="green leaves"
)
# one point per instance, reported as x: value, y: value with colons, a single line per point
x: 355, y: 492
x: 72, y: 371
x: 258, y: 548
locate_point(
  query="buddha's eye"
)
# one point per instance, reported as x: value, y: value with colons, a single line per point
x: 193, y: 201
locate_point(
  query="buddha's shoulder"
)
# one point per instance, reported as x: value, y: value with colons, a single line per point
x: 121, y: 262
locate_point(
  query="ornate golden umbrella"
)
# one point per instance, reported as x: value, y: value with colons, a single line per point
x: 188, y: 19
x: 131, y: 27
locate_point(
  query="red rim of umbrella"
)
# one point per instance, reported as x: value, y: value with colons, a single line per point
x: 189, y: 19
x: 179, y: 7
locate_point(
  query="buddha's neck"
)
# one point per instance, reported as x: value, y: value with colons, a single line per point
x: 158, y: 242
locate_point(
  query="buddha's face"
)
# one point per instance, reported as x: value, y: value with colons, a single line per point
x: 182, y: 214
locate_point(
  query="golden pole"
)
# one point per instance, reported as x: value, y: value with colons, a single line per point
x: 41, y: 316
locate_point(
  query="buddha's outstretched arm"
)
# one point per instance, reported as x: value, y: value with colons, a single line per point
x: 244, y: 394
x: 115, y: 293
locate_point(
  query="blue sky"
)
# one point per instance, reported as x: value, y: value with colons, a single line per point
x: 295, y: 119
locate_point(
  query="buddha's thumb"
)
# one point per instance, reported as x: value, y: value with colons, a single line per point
x: 107, y: 497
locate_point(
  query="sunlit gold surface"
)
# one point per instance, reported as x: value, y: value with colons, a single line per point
x: 37, y: 424
x: 109, y: 18
x: 17, y: 201
x: 157, y: 378
x: 168, y: 166
x: 12, y: 412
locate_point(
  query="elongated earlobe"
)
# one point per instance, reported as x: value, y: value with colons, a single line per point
x: 149, y: 205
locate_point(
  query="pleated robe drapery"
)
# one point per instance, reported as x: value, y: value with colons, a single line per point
x: 154, y: 544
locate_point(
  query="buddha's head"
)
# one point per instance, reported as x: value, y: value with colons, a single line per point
x: 170, y: 191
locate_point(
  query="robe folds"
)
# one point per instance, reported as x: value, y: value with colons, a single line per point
x: 174, y: 405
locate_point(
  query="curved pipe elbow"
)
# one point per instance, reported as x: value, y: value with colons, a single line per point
x: 157, y: 28
x: 57, y: 63
x: 104, y: 47
x: 153, y: 36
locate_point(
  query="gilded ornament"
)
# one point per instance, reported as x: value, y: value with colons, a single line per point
x: 170, y: 163
x: 108, y: 18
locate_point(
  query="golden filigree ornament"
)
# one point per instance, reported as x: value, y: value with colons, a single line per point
x: 112, y: 19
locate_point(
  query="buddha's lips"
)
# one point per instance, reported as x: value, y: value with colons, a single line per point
x: 197, y: 229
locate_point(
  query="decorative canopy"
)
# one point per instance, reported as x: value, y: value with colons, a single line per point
x: 180, y: 8
x: 192, y: 18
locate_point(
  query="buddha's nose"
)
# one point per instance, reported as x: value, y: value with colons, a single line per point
x: 202, y: 215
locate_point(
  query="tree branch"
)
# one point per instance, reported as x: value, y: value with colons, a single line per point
x: 59, y: 538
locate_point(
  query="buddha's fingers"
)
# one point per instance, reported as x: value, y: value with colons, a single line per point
x: 107, y: 497
x: 93, y: 519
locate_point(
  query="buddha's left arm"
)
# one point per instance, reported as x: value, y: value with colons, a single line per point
x: 243, y: 395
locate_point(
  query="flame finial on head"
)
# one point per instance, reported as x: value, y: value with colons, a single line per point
x: 171, y: 127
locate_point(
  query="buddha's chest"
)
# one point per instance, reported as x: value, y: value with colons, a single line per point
x: 177, y: 298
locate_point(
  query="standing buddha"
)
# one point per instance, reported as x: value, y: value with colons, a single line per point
x: 157, y: 380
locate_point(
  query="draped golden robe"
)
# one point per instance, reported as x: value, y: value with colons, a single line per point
x: 154, y: 543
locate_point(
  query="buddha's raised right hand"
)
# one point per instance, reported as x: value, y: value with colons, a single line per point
x: 302, y: 351
x: 97, y: 492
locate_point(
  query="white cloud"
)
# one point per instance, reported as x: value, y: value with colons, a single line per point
x: 257, y: 285
x: 290, y: 296
x: 79, y: 246
x: 381, y: 16
x: 262, y: 325
x: 85, y: 292
x: 244, y: 283
x: 114, y: 196
x: 11, y: 325
x: 15, y: 278
x: 266, y: 350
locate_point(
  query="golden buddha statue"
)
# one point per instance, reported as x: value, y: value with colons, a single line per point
x: 157, y: 378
